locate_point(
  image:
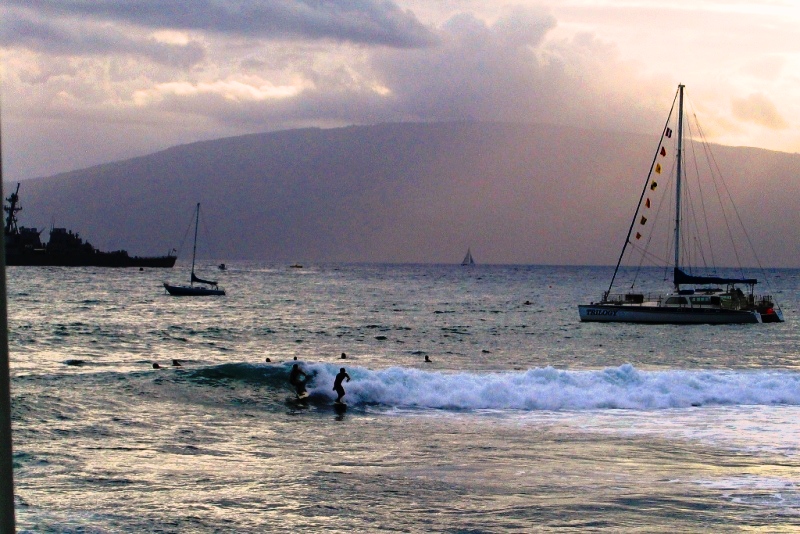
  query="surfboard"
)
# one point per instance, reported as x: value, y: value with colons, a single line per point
x: 303, y: 395
x: 339, y: 403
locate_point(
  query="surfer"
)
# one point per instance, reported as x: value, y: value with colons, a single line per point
x: 297, y: 378
x: 337, y: 383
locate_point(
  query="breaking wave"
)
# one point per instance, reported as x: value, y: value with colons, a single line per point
x: 623, y: 387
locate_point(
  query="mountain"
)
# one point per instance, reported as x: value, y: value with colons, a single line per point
x: 410, y: 192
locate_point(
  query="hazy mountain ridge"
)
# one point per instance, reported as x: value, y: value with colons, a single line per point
x: 408, y: 192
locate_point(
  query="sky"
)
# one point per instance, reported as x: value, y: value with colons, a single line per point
x: 93, y: 81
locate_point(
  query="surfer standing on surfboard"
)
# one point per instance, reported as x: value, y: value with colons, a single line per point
x: 337, y: 383
x: 297, y: 378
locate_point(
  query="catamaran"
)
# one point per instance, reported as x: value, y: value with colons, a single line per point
x: 205, y: 287
x: 697, y: 298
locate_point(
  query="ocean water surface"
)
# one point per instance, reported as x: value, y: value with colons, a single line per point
x: 525, y: 419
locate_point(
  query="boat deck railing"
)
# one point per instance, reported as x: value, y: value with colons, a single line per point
x: 726, y: 301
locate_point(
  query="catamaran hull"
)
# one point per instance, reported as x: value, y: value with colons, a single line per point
x: 609, y: 313
x: 191, y: 291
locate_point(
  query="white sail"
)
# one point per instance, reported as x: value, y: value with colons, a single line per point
x: 468, y: 260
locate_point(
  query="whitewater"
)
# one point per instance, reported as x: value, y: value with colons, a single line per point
x: 524, y: 418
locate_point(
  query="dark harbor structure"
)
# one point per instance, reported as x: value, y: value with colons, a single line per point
x: 64, y: 248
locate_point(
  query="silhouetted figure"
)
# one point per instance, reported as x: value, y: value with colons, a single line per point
x: 295, y: 358
x: 156, y: 366
x: 176, y: 363
x: 337, y: 383
x: 344, y: 356
x: 427, y: 360
x: 267, y: 360
x: 297, y: 378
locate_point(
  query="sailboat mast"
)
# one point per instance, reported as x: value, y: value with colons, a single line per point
x: 194, y: 247
x: 678, y: 178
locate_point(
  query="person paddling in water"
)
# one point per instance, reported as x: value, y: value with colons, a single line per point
x: 337, y: 383
x: 297, y: 378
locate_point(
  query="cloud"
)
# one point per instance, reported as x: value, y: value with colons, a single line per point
x: 234, y: 91
x: 510, y: 71
x: 65, y: 39
x: 766, y: 67
x: 758, y: 109
x: 201, y: 85
x: 359, y: 21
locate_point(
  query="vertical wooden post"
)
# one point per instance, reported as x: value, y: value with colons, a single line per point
x: 6, y: 455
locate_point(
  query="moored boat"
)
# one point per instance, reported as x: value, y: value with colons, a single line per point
x: 204, y: 287
x: 697, y: 298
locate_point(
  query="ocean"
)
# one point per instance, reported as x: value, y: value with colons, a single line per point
x: 524, y: 419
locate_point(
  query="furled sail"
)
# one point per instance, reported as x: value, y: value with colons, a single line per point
x: 201, y: 281
x: 681, y: 278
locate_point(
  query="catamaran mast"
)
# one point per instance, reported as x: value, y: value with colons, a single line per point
x: 194, y: 248
x: 678, y: 183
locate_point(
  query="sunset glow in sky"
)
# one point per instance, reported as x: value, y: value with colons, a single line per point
x: 87, y: 82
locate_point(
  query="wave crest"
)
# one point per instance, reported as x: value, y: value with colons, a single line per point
x: 623, y: 387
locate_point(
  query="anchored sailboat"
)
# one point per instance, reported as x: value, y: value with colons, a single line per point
x: 206, y: 287
x: 697, y: 298
x: 468, y: 260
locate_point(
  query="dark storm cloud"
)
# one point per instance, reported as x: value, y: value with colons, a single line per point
x: 379, y: 22
x: 60, y: 38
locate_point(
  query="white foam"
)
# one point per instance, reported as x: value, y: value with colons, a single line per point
x: 623, y: 387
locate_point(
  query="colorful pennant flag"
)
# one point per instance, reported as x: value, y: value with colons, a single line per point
x: 653, y: 185
x: 658, y: 168
x: 668, y: 133
x: 663, y: 151
x: 643, y: 220
x: 638, y: 235
x: 647, y: 203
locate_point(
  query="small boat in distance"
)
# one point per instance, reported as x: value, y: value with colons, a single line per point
x: 698, y: 298
x: 206, y: 287
x: 468, y: 259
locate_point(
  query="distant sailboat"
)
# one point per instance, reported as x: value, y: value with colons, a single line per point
x: 468, y: 259
x: 208, y: 287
